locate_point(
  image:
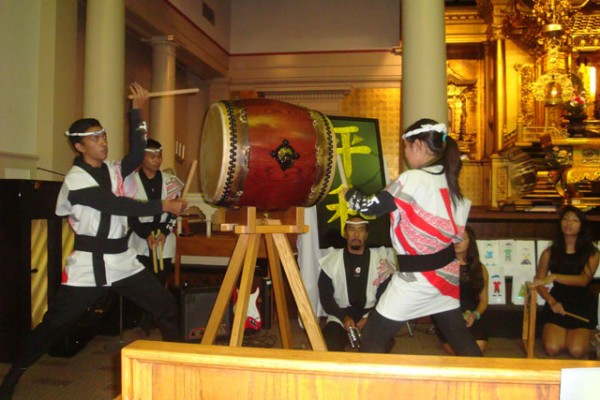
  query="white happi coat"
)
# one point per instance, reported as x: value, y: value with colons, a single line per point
x: 171, y: 188
x: 84, y: 220
x: 333, y: 265
x: 425, y: 222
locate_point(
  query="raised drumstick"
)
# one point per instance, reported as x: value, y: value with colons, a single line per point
x: 170, y: 92
x: 188, y: 182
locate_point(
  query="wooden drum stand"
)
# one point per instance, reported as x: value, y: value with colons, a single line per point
x: 279, y: 252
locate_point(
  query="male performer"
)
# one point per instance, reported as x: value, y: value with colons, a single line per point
x: 93, y: 198
x: 350, y: 283
x: 152, y: 236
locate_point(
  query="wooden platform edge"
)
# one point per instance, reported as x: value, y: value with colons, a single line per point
x: 485, y: 369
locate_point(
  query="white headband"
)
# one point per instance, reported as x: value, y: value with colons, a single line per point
x: 150, y: 150
x: 356, y: 222
x: 85, y: 133
x: 441, y: 128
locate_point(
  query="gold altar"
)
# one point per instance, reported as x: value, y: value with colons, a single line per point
x: 579, y: 180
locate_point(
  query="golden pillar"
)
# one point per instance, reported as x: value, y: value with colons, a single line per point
x: 500, y: 184
x: 500, y: 94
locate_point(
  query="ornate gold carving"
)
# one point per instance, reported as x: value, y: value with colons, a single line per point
x: 502, y: 184
x: 580, y: 181
x: 586, y: 32
x: 462, y: 107
x: 526, y: 110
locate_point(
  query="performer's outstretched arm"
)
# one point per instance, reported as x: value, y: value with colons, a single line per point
x: 377, y: 205
x: 105, y: 201
x: 137, y: 131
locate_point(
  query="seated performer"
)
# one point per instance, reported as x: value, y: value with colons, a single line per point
x: 569, y: 264
x: 350, y: 282
x: 473, y: 290
x: 93, y: 196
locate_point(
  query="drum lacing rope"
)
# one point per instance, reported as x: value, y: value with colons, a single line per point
x: 232, y: 153
x: 329, y: 168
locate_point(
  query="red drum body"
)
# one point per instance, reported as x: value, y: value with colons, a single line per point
x: 266, y: 153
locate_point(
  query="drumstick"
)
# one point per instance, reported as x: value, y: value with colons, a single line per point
x: 577, y: 316
x: 170, y: 92
x: 188, y: 182
x: 341, y: 171
x: 159, y: 253
x: 155, y: 267
x: 161, y: 261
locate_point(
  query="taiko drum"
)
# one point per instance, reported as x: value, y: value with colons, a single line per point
x: 266, y: 153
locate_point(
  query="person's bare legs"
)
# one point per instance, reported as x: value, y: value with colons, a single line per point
x: 554, y: 339
x: 578, y: 342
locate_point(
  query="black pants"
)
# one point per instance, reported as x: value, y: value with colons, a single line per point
x: 163, y: 275
x: 379, y: 330
x: 71, y: 302
x: 336, y: 337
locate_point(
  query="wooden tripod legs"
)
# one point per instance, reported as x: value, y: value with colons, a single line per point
x: 278, y: 249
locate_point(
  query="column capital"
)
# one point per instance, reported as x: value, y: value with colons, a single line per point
x: 161, y: 39
x: 496, y: 33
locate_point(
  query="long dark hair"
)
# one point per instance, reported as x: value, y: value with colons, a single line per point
x: 584, y: 245
x: 474, y: 273
x: 445, y: 151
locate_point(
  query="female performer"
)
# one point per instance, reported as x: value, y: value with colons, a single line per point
x: 569, y: 264
x: 428, y: 215
x: 473, y: 290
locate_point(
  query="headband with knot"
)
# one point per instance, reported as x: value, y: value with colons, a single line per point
x: 441, y: 128
x: 67, y: 133
x: 356, y: 222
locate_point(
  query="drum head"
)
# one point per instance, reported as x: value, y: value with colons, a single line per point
x: 214, y: 153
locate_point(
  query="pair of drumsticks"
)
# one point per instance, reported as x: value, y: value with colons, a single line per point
x: 157, y: 256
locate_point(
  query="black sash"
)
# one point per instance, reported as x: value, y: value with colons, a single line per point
x: 93, y: 244
x: 426, y: 262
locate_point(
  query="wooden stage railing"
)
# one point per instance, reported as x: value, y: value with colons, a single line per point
x: 160, y: 370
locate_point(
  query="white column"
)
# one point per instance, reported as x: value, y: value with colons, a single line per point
x: 104, y: 70
x: 423, y: 61
x: 162, y: 109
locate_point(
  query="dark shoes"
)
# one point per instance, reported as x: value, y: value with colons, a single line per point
x: 10, y: 382
x: 147, y: 323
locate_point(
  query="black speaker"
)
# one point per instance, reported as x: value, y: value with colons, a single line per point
x: 197, y: 304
